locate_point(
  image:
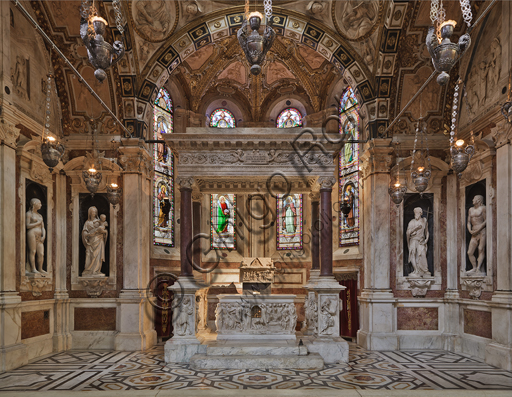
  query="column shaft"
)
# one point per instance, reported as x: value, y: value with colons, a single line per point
x: 326, y: 232
x: 185, y: 230
x: 196, y: 248
x: 315, y: 236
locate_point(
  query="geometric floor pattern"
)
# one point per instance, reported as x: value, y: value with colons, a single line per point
x: 108, y: 370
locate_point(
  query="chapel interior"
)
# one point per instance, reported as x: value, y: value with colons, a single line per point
x: 274, y: 185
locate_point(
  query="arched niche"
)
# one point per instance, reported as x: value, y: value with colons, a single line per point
x: 280, y: 104
x: 79, y: 203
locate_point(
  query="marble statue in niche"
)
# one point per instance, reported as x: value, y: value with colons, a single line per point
x: 94, y: 238
x: 181, y: 314
x: 36, y: 234
x: 417, y: 239
x: 476, y: 226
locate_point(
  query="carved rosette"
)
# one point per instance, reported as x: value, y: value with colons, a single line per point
x: 420, y: 286
x: 475, y: 286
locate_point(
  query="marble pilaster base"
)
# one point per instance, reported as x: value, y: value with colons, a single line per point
x: 377, y: 321
x: 332, y: 350
x: 182, y: 350
x: 135, y: 322
x: 13, y: 353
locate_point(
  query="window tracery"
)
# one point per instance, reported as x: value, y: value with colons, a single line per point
x: 222, y: 118
x: 289, y: 118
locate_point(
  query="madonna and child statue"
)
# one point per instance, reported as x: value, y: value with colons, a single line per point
x: 94, y: 238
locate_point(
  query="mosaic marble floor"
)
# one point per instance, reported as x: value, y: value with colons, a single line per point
x: 115, y: 371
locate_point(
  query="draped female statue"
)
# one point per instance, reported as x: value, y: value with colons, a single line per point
x: 94, y: 238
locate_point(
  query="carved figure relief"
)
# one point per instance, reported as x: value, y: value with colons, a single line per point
x: 94, y: 238
x: 417, y: 239
x: 357, y: 17
x: 20, y: 77
x: 310, y: 322
x: 154, y: 20
x: 328, y: 311
x: 477, y: 228
x: 269, y: 318
x: 182, y: 317
x: 36, y: 234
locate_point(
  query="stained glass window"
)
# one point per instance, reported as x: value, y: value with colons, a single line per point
x: 289, y: 118
x: 222, y: 221
x: 349, y: 168
x: 289, y: 222
x: 163, y: 184
x: 222, y: 118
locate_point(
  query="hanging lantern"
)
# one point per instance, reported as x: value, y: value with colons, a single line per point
x: 114, y: 194
x: 396, y: 190
x: 91, y: 175
x: 51, y: 149
x: 460, y: 152
x: 443, y: 52
x: 420, y: 165
x: 253, y: 44
x: 92, y: 31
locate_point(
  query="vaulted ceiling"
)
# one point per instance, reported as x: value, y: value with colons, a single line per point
x: 377, y: 47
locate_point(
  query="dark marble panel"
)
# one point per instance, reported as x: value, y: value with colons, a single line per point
x: 35, y: 323
x: 478, y: 322
x: 418, y: 318
x: 95, y: 319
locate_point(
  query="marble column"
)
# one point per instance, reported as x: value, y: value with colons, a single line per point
x: 184, y: 343
x: 62, y: 337
x: 315, y: 231
x: 377, y: 303
x: 12, y: 350
x: 196, y: 227
x: 185, y: 185
x: 451, y: 334
x: 134, y: 311
x: 499, y: 352
x: 326, y: 184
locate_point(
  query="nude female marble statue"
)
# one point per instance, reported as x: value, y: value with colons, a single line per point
x: 94, y: 237
x: 36, y: 235
x: 417, y: 239
x: 476, y: 227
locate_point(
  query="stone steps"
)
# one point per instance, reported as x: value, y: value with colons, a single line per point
x: 255, y: 350
x: 312, y: 361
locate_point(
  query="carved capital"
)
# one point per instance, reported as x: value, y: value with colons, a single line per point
x: 197, y: 196
x: 501, y: 134
x: 185, y: 182
x: 94, y: 286
x: 326, y: 182
x: 475, y: 285
x: 138, y: 163
x: 314, y: 196
x: 378, y: 157
x: 9, y: 134
x: 420, y: 286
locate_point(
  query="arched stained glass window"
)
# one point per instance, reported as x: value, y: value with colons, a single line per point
x: 289, y: 118
x: 349, y: 168
x: 222, y: 118
x: 163, y: 189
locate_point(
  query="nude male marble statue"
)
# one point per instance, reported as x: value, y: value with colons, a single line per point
x: 476, y: 227
x: 36, y: 235
x: 417, y: 239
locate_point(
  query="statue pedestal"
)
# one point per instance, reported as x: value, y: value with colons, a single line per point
x: 184, y: 344
x: 322, y: 325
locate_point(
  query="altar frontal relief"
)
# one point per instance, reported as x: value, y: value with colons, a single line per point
x: 289, y: 222
x: 222, y: 221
